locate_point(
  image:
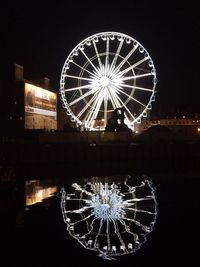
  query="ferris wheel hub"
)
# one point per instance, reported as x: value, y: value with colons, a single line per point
x: 104, y: 81
x: 105, y: 206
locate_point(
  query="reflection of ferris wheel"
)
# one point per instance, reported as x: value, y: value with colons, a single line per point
x: 106, y: 71
x: 112, y: 217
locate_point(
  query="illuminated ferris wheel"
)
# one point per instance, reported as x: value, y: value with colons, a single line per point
x: 106, y: 71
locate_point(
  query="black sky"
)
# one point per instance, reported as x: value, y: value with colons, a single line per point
x: 40, y: 35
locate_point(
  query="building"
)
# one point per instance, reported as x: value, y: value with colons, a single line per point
x: 183, y: 126
x: 27, y: 105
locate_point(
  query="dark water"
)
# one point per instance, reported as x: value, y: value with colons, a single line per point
x: 36, y: 235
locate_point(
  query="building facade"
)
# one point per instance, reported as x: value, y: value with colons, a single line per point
x: 28, y: 105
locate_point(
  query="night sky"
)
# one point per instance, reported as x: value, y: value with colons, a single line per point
x: 40, y: 36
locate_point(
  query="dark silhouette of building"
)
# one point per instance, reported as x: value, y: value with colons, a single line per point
x: 116, y: 122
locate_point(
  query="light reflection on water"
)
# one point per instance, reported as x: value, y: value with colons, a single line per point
x: 109, y: 215
x: 43, y: 229
x: 37, y: 192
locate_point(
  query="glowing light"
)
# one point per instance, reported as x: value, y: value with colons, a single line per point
x: 112, y: 218
x: 35, y: 193
x: 104, y: 81
x: 108, y: 80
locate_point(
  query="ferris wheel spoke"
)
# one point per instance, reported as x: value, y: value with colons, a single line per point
x: 141, y: 211
x: 119, y: 99
x: 83, y: 219
x: 129, y: 96
x: 86, y: 106
x: 90, y: 227
x: 126, y: 58
x: 142, y: 69
x: 73, y: 96
x: 99, y: 232
x: 96, y: 111
x: 105, y: 107
x: 77, y: 88
x: 142, y: 226
x: 90, y: 112
x: 116, y: 100
x: 108, y: 233
x: 95, y: 107
x: 135, y: 236
x: 137, y: 87
x: 137, y: 76
x: 92, y: 91
x: 134, y: 65
x: 113, y: 100
x: 78, y: 78
x: 92, y: 118
x: 117, y: 54
x: 84, y: 69
x: 80, y: 97
x: 107, y: 54
x: 97, y: 54
x: 118, y: 234
x: 125, y: 107
x: 78, y: 210
x: 89, y: 60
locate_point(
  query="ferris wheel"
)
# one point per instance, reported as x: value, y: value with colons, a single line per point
x: 106, y: 71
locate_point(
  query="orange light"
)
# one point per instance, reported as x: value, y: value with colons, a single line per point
x: 39, y: 194
x: 198, y: 129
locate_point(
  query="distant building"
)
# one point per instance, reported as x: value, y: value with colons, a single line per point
x: 177, y: 121
x: 27, y: 105
x: 184, y: 125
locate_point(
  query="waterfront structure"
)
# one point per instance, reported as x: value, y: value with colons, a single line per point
x: 30, y: 105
